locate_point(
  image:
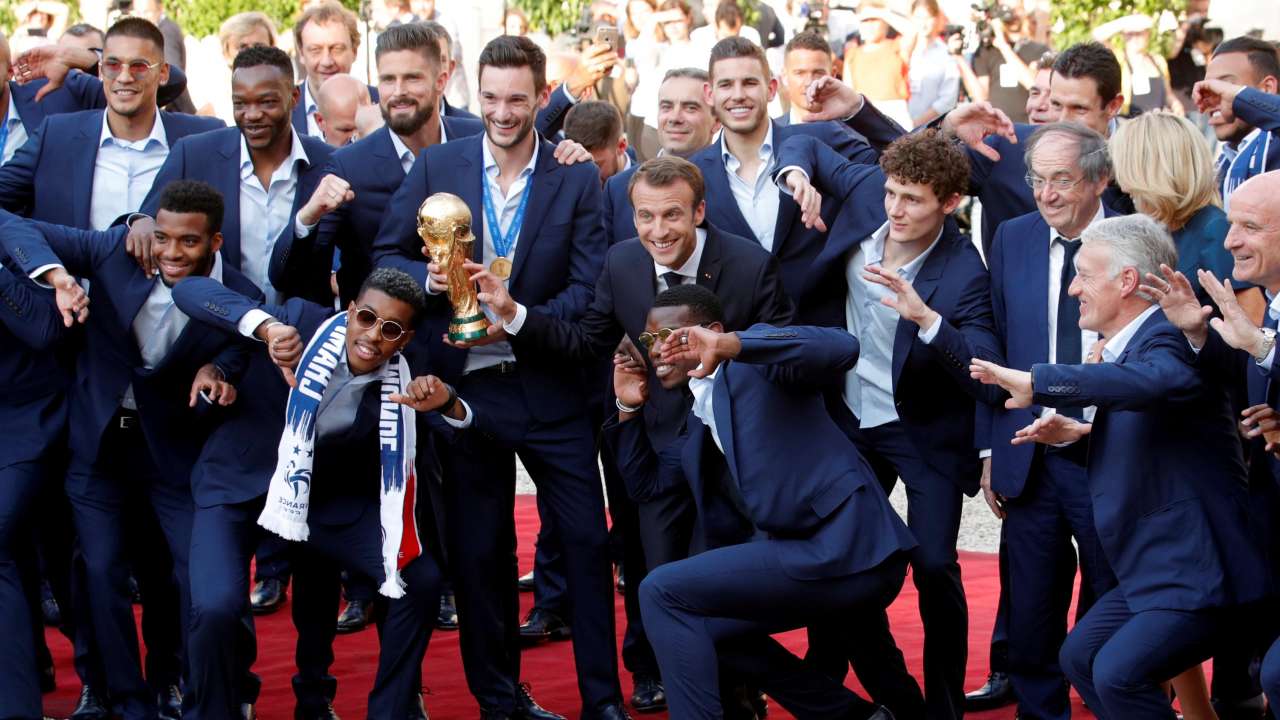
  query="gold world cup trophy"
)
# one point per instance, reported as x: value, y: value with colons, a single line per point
x: 444, y: 224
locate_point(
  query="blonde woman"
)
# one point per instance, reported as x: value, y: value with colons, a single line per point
x: 1163, y: 162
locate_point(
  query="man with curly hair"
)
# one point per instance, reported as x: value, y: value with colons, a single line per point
x: 914, y: 291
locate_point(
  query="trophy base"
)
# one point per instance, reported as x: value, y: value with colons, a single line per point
x: 465, y: 329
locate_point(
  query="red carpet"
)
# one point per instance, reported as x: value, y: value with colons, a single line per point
x: 549, y: 668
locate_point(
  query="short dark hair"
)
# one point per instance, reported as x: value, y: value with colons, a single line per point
x: 1262, y: 54
x: 442, y: 33
x: 667, y: 170
x: 728, y: 13
x: 194, y: 196
x: 259, y: 55
x: 515, y: 51
x: 398, y: 285
x: 808, y: 40
x: 737, y: 47
x: 703, y: 304
x: 594, y: 124
x: 83, y: 29
x: 419, y: 37
x: 1091, y: 60
x: 928, y: 158
x: 135, y: 27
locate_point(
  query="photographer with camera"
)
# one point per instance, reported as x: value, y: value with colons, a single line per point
x: 1003, y: 61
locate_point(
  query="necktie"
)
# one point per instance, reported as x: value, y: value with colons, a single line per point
x: 1069, y: 347
x: 672, y: 279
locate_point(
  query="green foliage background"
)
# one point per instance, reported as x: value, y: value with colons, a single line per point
x: 552, y: 16
x: 200, y: 17
x: 1078, y: 18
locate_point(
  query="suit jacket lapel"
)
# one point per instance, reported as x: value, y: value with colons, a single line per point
x: 228, y: 183
x: 472, y: 189
x: 709, y: 265
x: 1037, y: 284
x: 723, y: 410
x: 691, y: 455
x: 84, y: 159
x: 544, y: 183
x: 786, y: 205
x: 723, y: 213
x: 925, y: 284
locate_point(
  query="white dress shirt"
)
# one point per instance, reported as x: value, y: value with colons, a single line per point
x: 308, y: 102
x: 17, y: 131
x: 504, y: 206
x: 1115, y: 345
x: 701, y: 388
x: 757, y: 199
x: 1057, y: 256
x: 123, y: 172
x: 868, y: 387
x: 689, y: 270
x: 265, y: 212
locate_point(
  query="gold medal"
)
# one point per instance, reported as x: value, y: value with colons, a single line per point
x: 501, y: 267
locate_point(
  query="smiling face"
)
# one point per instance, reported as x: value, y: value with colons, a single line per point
x: 1235, y: 68
x: 673, y: 375
x: 409, y: 88
x: 366, y: 348
x: 509, y: 102
x: 326, y: 51
x: 915, y: 213
x: 667, y: 221
x: 1069, y: 210
x: 262, y: 97
x: 1101, y: 295
x: 1077, y: 100
x: 741, y: 90
x: 685, y: 124
x: 1254, y: 237
x: 128, y: 94
x: 183, y: 246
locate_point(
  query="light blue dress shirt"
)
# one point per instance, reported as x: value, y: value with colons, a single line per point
x: 758, y: 199
x: 265, y: 212
x: 124, y: 172
x: 17, y: 131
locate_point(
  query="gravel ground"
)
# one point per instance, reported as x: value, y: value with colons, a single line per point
x: 979, y: 529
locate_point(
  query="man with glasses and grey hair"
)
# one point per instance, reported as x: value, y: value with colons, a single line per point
x: 1173, y: 519
x: 1040, y: 491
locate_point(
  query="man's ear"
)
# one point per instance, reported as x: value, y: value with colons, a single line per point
x: 215, y: 242
x: 716, y: 326
x: 952, y: 203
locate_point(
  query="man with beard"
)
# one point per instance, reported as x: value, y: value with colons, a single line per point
x: 537, y: 225
x: 139, y: 420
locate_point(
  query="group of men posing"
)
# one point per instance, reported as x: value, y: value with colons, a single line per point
x: 794, y: 324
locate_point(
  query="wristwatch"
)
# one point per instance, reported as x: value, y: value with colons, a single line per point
x: 1268, y: 342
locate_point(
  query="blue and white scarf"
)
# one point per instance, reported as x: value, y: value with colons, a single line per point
x: 288, y: 497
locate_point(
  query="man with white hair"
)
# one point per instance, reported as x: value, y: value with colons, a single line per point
x: 1173, y: 518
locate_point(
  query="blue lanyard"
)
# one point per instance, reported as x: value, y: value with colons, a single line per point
x: 502, y: 242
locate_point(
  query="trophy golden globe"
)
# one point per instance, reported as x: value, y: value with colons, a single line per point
x: 444, y: 224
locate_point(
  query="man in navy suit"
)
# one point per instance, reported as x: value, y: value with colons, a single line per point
x: 788, y: 542
x: 542, y: 228
x: 138, y: 424
x: 33, y: 415
x: 326, y: 37
x: 685, y: 126
x: 44, y: 84
x: 1173, y: 520
x: 1040, y: 492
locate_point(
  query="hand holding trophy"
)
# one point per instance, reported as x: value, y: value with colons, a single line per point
x: 444, y: 224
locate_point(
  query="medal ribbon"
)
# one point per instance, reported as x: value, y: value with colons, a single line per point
x: 502, y: 242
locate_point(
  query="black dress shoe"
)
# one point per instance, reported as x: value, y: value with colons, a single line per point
x: 48, y: 680
x: 881, y: 713
x: 1253, y: 708
x: 649, y: 696
x: 419, y: 710
x: 621, y: 583
x: 354, y: 617
x: 49, y: 610
x: 540, y: 625
x: 525, y: 583
x: 997, y: 693
x: 90, y: 707
x: 169, y: 703
x: 759, y: 703
x: 448, y: 617
x: 610, y: 712
x: 267, y: 596
x: 248, y: 712
x: 134, y: 591
x: 528, y: 709
x: 325, y: 714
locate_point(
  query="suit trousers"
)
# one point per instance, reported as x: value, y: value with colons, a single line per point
x: 721, y: 606
x: 124, y: 480
x: 1116, y: 658
x: 19, y: 684
x: 1271, y: 678
x: 480, y: 487
x: 1054, y: 508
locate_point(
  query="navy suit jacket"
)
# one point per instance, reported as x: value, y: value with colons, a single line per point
x: 827, y: 515
x: 214, y: 157
x: 794, y: 245
x: 737, y: 270
x: 34, y: 370
x: 112, y: 361
x: 299, y: 115
x: 374, y: 171
x: 1019, y: 263
x: 1261, y: 110
x: 51, y: 177
x: 557, y: 257
x: 79, y: 91
x: 1166, y: 475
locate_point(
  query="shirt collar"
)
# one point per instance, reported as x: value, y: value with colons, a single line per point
x: 1116, y: 344
x: 491, y: 164
x: 1054, y: 234
x: 873, y: 252
x: 765, y: 153
x: 1231, y: 152
x: 308, y: 103
x: 157, y: 135
x: 1273, y: 306
x: 11, y: 113
x: 690, y: 266
x: 398, y: 144
x: 297, y: 154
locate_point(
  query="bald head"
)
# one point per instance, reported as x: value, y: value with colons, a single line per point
x: 1254, y: 237
x: 340, y: 97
